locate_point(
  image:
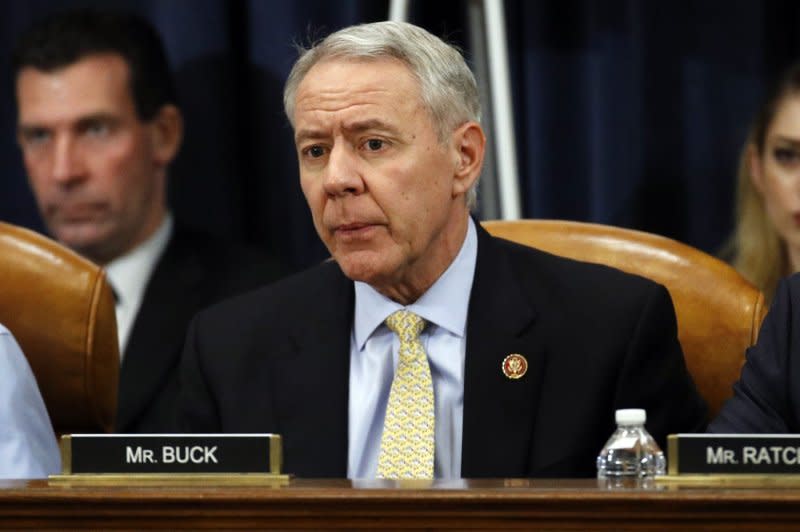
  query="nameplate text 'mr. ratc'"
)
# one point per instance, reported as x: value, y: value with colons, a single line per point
x: 733, y: 454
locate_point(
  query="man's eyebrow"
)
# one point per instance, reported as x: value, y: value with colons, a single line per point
x: 308, y: 133
x: 23, y: 128
x: 364, y: 125
x: 82, y: 121
x: 787, y: 139
x: 96, y: 117
x: 357, y: 126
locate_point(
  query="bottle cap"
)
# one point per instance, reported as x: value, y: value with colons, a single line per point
x: 631, y: 416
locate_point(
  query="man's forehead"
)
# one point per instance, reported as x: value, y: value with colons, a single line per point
x: 338, y: 77
x: 94, y: 84
x: 357, y: 93
x: 383, y: 61
x: 98, y: 66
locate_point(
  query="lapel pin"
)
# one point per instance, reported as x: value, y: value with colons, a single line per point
x: 515, y: 366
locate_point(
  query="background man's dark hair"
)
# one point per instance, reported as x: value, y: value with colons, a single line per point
x: 67, y: 37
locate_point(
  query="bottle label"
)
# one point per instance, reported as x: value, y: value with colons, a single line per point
x: 628, y: 442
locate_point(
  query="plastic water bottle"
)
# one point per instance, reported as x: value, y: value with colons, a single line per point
x: 631, y: 452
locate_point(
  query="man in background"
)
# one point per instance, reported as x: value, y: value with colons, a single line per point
x: 98, y: 126
x: 426, y: 348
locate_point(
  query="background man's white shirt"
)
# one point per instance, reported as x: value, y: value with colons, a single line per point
x: 129, y: 275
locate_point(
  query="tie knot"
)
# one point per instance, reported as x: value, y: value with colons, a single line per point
x: 406, y: 325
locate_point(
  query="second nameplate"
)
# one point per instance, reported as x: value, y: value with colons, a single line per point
x: 733, y: 454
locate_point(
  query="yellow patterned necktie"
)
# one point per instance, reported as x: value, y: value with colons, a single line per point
x: 407, y: 443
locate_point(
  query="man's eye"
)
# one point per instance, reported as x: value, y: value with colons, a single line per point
x: 35, y: 136
x: 315, y: 152
x: 97, y: 129
x: 786, y: 155
x: 374, y: 144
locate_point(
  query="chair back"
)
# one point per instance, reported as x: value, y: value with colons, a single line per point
x: 61, y: 311
x: 718, y: 311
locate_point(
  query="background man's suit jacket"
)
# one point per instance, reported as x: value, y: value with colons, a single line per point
x: 194, y: 271
x: 767, y: 396
x: 596, y: 339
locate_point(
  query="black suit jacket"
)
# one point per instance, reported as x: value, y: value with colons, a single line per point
x: 596, y: 339
x: 194, y: 271
x: 766, y: 398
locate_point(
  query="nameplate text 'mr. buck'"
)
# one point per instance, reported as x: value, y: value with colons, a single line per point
x: 171, y: 453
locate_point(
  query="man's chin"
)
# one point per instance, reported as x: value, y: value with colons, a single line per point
x: 89, y: 242
x: 369, y: 267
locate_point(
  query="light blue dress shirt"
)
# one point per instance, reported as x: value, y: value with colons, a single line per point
x: 28, y: 447
x: 374, y: 357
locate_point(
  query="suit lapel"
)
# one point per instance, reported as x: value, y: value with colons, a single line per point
x: 156, y: 340
x: 499, y: 412
x: 311, y: 384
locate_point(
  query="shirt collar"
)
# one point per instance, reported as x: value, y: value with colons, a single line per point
x: 445, y: 303
x: 129, y: 273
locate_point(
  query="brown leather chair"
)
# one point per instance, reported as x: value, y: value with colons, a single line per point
x: 61, y: 311
x: 718, y: 311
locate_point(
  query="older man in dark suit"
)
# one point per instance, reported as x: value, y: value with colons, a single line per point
x: 426, y: 348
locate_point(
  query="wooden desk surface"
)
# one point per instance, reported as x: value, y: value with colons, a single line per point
x: 476, y: 505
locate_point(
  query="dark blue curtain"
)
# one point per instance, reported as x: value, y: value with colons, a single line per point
x: 632, y: 113
x: 627, y: 112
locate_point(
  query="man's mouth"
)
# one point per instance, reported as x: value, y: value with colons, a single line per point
x: 354, y: 230
x: 77, y: 212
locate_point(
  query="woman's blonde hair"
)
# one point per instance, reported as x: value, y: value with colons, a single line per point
x: 755, y: 247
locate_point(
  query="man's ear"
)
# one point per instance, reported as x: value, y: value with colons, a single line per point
x: 167, y: 134
x: 470, y: 147
x: 754, y: 166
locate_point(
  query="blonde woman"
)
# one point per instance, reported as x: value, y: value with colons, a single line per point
x: 765, y: 245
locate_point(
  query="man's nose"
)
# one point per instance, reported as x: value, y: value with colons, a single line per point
x: 67, y: 161
x: 343, y: 172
